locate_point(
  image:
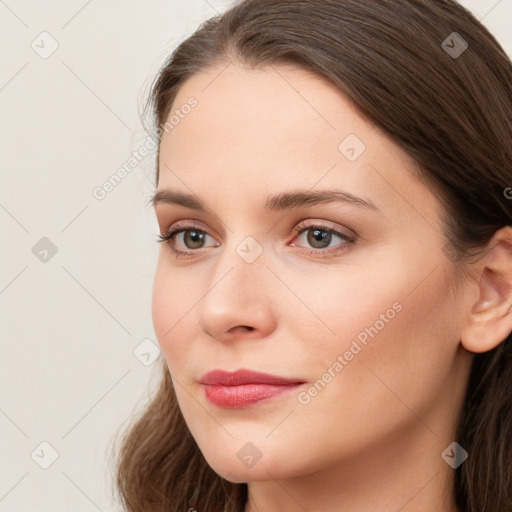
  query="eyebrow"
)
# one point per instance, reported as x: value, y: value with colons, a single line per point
x: 283, y: 201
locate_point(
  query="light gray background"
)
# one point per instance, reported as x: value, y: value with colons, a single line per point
x: 70, y: 325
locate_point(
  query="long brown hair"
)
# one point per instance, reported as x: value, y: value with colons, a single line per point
x: 446, y: 99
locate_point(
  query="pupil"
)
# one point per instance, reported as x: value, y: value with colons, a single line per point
x: 319, y: 236
x: 194, y: 236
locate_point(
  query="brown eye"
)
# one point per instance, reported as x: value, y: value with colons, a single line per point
x: 193, y: 239
x: 319, y: 238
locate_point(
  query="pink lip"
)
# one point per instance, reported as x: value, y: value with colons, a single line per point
x: 244, y: 387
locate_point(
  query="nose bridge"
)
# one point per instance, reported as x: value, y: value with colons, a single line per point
x: 239, y: 268
x: 236, y: 295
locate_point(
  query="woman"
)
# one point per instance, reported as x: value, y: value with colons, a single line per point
x: 334, y: 287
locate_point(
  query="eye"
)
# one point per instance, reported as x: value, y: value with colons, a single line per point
x: 193, y: 238
x: 320, y: 237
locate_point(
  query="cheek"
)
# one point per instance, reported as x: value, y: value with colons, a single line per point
x: 353, y: 302
x: 396, y: 334
x: 171, y: 316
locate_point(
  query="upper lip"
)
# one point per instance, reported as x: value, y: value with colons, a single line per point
x: 243, y: 376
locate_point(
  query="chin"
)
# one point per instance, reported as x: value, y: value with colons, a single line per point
x: 243, y: 462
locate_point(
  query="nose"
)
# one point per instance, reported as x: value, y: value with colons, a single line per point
x: 237, y: 300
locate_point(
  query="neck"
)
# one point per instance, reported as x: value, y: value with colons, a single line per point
x: 405, y: 474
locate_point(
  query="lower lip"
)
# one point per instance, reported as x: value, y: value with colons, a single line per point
x: 238, y: 397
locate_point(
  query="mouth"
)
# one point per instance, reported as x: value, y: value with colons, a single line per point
x: 244, y: 388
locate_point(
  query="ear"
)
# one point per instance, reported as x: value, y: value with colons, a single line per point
x: 490, y: 320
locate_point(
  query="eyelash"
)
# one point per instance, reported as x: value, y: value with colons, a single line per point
x: 349, y: 241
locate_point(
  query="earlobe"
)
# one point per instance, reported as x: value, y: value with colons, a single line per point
x: 490, y: 319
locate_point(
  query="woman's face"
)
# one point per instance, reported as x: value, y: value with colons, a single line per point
x: 360, y: 315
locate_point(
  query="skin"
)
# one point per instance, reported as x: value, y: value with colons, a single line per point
x: 372, y: 438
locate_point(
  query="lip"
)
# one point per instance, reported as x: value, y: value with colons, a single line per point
x: 243, y: 376
x: 244, y: 388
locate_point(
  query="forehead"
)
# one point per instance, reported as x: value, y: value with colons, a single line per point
x: 282, y: 107
x: 255, y: 130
